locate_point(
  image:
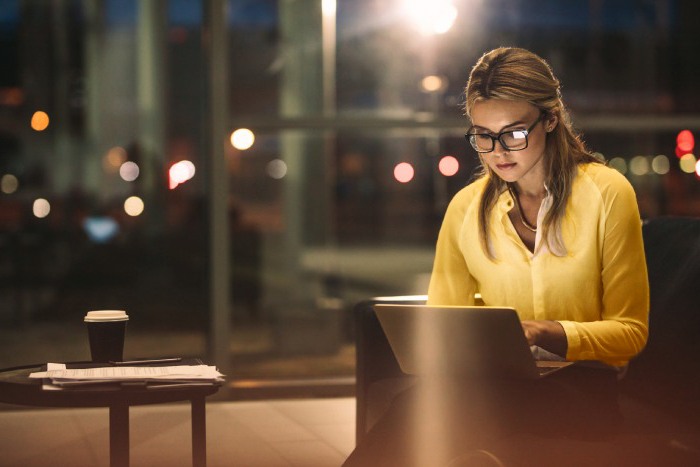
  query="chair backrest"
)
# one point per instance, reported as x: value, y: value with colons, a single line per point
x: 670, y: 363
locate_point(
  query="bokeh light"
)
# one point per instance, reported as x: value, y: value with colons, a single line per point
x: 697, y: 168
x: 180, y: 172
x: 687, y: 163
x: 432, y: 83
x: 403, y: 172
x: 114, y: 159
x: 40, y: 120
x: 41, y: 208
x: 685, y: 142
x: 129, y: 171
x: 639, y: 165
x: 242, y: 139
x: 660, y: 164
x: 619, y: 164
x: 276, y: 169
x: 448, y: 166
x: 100, y: 229
x: 11, y: 97
x: 431, y: 16
x: 9, y: 184
x: 133, y: 206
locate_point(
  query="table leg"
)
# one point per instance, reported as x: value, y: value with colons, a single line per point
x: 199, y: 433
x: 119, y: 435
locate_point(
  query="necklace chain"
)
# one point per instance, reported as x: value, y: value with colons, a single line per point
x: 523, y: 221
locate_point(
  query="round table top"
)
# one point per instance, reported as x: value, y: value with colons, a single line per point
x: 16, y: 387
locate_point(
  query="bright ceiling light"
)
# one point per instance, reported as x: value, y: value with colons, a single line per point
x: 431, y: 16
x: 328, y: 7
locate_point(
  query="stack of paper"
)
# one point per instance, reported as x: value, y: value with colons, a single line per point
x: 58, y: 377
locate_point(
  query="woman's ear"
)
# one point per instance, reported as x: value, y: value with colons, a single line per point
x: 551, y: 122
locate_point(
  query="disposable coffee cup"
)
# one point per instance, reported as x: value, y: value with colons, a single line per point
x: 106, y: 330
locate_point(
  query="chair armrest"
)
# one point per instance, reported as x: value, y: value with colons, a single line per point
x: 378, y: 376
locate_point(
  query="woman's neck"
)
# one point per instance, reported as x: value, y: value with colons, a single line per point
x: 531, y: 184
x: 532, y: 191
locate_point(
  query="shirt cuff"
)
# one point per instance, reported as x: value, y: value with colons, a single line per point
x: 573, y: 339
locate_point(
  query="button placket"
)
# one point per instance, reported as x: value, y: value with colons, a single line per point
x: 538, y: 287
x: 505, y: 206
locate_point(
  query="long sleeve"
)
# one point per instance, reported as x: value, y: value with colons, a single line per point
x: 451, y: 283
x: 622, y: 330
x: 597, y: 288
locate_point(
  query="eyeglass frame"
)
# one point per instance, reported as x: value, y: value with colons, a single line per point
x: 497, y: 137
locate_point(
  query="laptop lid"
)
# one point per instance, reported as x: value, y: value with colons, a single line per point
x: 459, y: 341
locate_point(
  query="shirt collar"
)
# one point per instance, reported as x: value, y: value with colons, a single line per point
x: 506, y: 202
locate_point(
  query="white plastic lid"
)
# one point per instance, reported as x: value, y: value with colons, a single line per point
x: 106, y: 315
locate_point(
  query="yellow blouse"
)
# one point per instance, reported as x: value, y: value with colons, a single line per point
x: 597, y: 289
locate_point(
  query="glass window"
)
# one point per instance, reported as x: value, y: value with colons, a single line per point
x: 343, y: 145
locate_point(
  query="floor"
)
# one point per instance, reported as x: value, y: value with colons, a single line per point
x: 270, y: 433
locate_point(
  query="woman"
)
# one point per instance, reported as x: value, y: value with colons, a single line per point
x: 549, y: 230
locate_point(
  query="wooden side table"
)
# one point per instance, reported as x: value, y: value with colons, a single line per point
x: 17, y: 388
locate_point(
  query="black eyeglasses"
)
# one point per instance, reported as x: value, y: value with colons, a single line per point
x: 511, y: 140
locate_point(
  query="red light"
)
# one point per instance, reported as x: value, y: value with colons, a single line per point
x: 448, y: 166
x: 685, y: 142
x: 179, y: 173
x: 404, y: 172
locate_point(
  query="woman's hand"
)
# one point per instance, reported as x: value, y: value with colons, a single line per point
x: 546, y: 334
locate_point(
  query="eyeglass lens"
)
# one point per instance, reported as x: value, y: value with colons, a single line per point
x: 511, y: 140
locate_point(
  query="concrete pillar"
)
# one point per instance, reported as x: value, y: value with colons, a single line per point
x: 94, y: 88
x: 307, y: 90
x: 216, y: 46
x: 151, y: 77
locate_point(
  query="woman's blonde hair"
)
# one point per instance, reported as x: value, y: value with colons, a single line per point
x: 518, y: 74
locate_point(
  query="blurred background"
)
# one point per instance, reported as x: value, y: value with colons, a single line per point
x: 237, y: 174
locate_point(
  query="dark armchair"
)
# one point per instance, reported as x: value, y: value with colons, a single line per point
x: 664, y: 377
x: 378, y: 376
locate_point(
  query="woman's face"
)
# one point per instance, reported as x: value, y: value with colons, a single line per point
x: 525, y: 166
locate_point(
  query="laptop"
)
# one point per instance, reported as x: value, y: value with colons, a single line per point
x: 461, y: 341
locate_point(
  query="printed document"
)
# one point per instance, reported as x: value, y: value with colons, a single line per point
x: 59, y: 376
